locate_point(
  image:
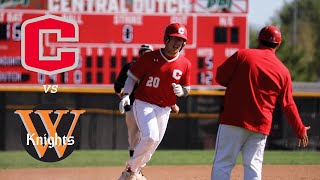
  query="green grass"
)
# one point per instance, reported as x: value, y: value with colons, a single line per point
x: 21, y: 159
x: 292, y: 157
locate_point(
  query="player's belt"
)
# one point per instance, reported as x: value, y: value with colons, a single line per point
x: 162, y: 106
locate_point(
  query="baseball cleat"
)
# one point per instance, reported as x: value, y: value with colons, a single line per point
x: 129, y: 175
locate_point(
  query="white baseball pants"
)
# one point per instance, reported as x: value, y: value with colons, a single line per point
x: 133, y: 131
x: 152, y: 122
x: 230, y: 141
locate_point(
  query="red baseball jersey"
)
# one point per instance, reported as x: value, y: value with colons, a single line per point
x: 255, y: 81
x: 155, y: 74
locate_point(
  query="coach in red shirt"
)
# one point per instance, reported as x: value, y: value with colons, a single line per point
x: 162, y: 75
x: 255, y: 80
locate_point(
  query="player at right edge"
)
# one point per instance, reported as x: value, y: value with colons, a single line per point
x: 255, y: 80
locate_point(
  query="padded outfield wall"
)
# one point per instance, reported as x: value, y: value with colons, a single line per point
x: 195, y: 127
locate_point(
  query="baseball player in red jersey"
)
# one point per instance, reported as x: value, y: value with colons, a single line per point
x: 255, y: 80
x: 162, y: 75
x: 133, y: 131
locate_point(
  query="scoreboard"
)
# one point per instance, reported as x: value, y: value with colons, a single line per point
x: 111, y: 32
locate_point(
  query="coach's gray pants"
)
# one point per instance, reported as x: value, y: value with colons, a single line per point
x: 230, y: 141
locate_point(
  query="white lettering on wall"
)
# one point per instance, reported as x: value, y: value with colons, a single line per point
x: 121, y: 6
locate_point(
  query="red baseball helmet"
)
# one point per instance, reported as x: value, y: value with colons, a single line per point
x: 270, y: 34
x: 175, y: 30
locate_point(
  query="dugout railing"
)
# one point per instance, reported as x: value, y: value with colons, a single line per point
x: 195, y: 127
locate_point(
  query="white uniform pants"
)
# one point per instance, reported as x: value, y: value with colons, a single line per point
x: 133, y: 131
x: 152, y: 122
x: 230, y: 141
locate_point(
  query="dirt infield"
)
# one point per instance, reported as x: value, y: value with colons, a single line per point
x: 270, y: 172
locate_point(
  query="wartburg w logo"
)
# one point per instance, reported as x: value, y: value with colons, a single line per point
x: 50, y: 132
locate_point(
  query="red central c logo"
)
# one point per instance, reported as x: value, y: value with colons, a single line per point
x: 32, y: 50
